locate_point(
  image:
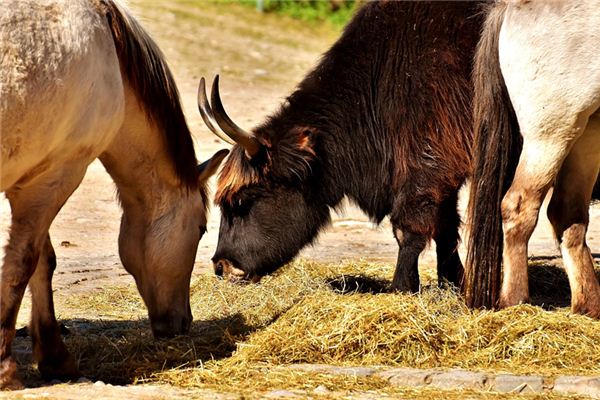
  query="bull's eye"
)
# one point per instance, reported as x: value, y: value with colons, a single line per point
x: 241, y: 206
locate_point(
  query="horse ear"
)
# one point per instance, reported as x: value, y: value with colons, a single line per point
x: 210, y: 166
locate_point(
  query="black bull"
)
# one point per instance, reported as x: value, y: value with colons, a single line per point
x: 384, y: 119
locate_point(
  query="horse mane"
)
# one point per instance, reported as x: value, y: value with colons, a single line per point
x: 147, y: 72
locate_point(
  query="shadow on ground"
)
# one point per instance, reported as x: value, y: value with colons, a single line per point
x: 548, y: 282
x: 349, y: 284
x: 121, y: 352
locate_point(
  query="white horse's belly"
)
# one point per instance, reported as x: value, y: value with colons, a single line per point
x: 550, y: 62
x: 62, y: 99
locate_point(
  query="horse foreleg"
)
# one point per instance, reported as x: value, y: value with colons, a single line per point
x: 51, y: 354
x: 568, y: 212
x: 33, y: 207
x: 20, y: 260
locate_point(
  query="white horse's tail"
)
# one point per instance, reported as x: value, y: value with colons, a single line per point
x: 145, y: 70
x: 497, y: 149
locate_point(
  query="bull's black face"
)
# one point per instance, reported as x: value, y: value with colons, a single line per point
x: 262, y: 228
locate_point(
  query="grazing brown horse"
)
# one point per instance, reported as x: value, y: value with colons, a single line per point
x: 537, y: 125
x: 384, y: 119
x: 80, y: 80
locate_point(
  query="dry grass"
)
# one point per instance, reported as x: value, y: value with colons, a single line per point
x: 243, y: 336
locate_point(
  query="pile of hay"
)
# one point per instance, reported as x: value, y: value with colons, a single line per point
x: 243, y: 336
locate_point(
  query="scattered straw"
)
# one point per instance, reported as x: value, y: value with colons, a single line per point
x: 243, y: 336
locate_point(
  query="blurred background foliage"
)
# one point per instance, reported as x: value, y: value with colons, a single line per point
x: 335, y: 12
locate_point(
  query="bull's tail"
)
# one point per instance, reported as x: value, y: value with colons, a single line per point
x: 497, y: 148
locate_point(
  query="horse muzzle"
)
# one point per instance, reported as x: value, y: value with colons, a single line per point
x: 169, y: 326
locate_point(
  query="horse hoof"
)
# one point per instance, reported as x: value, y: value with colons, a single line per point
x: 8, y: 376
x: 589, y: 308
x: 506, y: 301
x: 64, y: 369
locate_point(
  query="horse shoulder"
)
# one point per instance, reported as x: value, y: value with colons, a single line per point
x: 61, y: 92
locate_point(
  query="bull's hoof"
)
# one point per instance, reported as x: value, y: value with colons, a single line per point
x: 63, y: 369
x: 8, y: 376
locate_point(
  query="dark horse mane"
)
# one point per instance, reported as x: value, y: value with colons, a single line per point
x: 143, y: 64
x: 348, y: 118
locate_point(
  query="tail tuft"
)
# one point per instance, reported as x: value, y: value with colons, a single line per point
x: 497, y: 148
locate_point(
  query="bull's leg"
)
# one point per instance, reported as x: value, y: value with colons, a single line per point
x: 413, y: 220
x: 569, y: 213
x: 34, y: 205
x: 51, y: 354
x: 449, y: 266
x: 406, y: 276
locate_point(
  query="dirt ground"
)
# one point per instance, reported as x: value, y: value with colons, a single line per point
x: 260, y: 59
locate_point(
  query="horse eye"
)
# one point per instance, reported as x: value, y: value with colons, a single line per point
x: 203, y: 230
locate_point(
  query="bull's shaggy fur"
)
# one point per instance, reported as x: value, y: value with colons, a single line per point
x: 385, y: 119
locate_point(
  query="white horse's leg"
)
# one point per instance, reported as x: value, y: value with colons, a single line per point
x: 569, y: 213
x: 553, y: 87
x: 51, y: 354
x: 547, y: 140
x: 520, y: 208
x: 34, y: 206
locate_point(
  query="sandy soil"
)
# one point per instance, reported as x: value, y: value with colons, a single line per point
x: 260, y: 59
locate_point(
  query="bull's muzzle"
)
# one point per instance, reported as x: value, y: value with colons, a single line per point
x: 229, y: 271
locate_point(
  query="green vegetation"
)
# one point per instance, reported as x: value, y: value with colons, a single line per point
x: 335, y: 12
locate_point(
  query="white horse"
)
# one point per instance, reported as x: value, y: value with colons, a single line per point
x: 79, y: 80
x: 537, y: 73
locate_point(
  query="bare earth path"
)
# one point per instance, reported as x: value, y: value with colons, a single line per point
x: 260, y: 59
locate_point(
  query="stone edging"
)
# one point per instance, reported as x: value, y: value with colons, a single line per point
x: 453, y: 379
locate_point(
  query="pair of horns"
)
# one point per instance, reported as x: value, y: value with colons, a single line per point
x: 218, y: 118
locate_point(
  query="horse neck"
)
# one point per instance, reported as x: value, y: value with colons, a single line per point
x: 140, y: 166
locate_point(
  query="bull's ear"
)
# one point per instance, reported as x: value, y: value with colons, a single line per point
x: 210, y: 166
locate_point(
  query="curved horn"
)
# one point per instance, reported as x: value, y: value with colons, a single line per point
x: 207, y: 114
x: 243, y: 138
